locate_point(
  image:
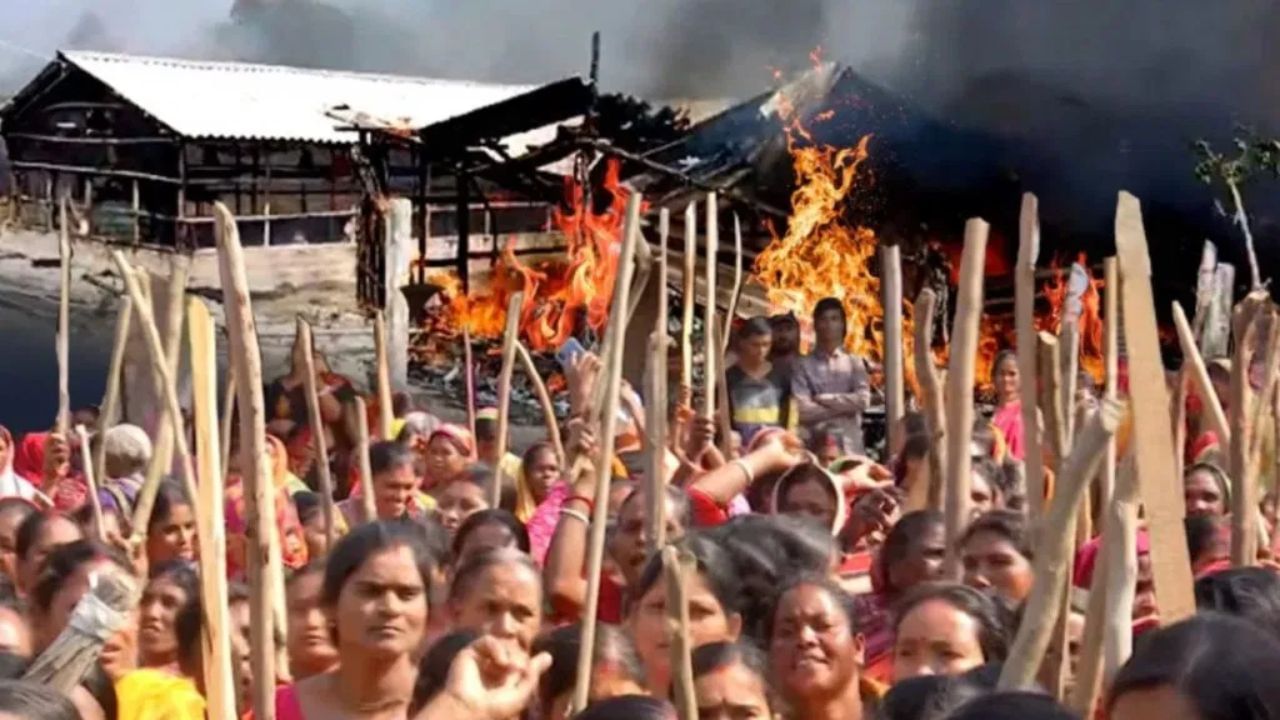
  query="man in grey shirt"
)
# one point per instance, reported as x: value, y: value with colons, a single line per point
x: 830, y: 386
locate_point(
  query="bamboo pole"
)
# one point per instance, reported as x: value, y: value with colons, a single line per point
x: 544, y: 399
x: 1261, y: 407
x: 736, y: 294
x: 724, y: 423
x: 220, y: 689
x: 509, y: 339
x: 1069, y: 346
x: 468, y: 365
x: 686, y: 321
x: 1024, y: 318
x: 1195, y: 367
x: 1245, y: 326
x: 1160, y: 490
x: 162, y: 456
x: 894, y: 386
x: 367, y: 499
x: 1053, y: 560
x: 111, y: 400
x: 1111, y: 360
x: 90, y: 479
x: 64, y: 322
x: 320, y: 443
x: 615, y: 343
x: 710, y: 349
x: 147, y: 494
x: 262, y: 564
x: 931, y: 387
x: 960, y: 381
x: 1051, y: 397
x: 676, y: 567
x: 655, y: 393
x: 386, y: 414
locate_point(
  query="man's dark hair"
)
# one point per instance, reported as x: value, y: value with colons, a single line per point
x: 31, y: 701
x: 387, y: 455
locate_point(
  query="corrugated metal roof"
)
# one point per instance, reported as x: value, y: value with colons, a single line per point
x: 201, y: 99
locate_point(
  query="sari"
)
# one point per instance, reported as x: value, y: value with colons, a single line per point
x: 11, y: 483
x: 158, y: 695
x: 68, y: 492
x: 1008, y: 421
x: 293, y: 540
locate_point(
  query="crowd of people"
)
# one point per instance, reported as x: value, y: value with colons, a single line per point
x: 817, y: 589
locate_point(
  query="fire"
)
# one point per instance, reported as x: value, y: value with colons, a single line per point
x: 1090, y: 325
x: 559, y: 294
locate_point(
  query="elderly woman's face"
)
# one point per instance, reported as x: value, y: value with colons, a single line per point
x: 1203, y: 495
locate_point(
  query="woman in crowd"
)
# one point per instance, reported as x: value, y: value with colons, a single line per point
x: 616, y: 669
x: 1206, y: 490
x: 172, y: 588
x: 947, y: 629
x: 375, y: 592
x: 985, y: 486
x: 489, y: 530
x: 912, y: 554
x: 171, y: 533
x: 714, y: 593
x: 38, y: 535
x: 449, y: 451
x: 13, y: 511
x: 731, y: 682
x: 311, y: 650
x: 1204, y: 668
x: 539, y: 470
x: 815, y: 653
x: 463, y: 497
x: 498, y: 593
x: 997, y: 556
x: 809, y: 491
x: 12, y: 485
x: 1008, y: 414
x: 65, y: 577
x: 396, y: 489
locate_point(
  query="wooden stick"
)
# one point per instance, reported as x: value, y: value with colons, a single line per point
x: 1053, y: 560
x: 228, y: 413
x: 643, y: 262
x: 686, y: 320
x: 386, y: 414
x: 655, y: 393
x: 220, y: 688
x: 509, y: 338
x: 1069, y: 346
x: 147, y: 494
x: 737, y: 288
x: 1122, y: 572
x: 362, y: 455
x: 1111, y: 360
x: 615, y: 343
x: 676, y: 567
x: 724, y: 423
x: 894, y: 385
x: 544, y: 399
x: 319, y: 442
x: 111, y: 400
x: 1051, y: 397
x: 1244, y: 549
x: 931, y: 387
x: 162, y: 457
x: 1024, y: 318
x: 90, y: 479
x: 1161, y: 491
x: 1262, y: 406
x: 468, y: 365
x: 263, y: 566
x: 64, y: 322
x: 710, y: 350
x: 960, y: 380
x: 1194, y: 366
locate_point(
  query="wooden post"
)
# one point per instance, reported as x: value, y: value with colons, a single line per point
x: 95, y: 503
x: 1261, y: 407
x: 1160, y: 490
x: 1053, y: 561
x: 1111, y: 360
x: 111, y: 400
x: 1024, y: 318
x: 362, y: 454
x: 320, y: 443
x: 468, y: 366
x: 710, y: 349
x: 509, y: 339
x: 655, y: 405
x: 263, y: 566
x: 220, y: 689
x: 612, y: 378
x: 228, y: 413
x: 544, y: 399
x: 1051, y: 398
x: 1195, y: 367
x: 64, y: 322
x: 1244, y: 539
x: 960, y: 380
x: 676, y: 567
x: 935, y: 410
x: 686, y: 318
x: 386, y: 414
x: 162, y: 457
x: 894, y: 387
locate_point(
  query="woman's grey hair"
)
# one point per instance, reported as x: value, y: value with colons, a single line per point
x: 128, y: 450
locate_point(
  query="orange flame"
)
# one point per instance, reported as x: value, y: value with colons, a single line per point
x: 559, y: 294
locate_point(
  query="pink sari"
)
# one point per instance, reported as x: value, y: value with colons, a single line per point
x: 1008, y: 420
